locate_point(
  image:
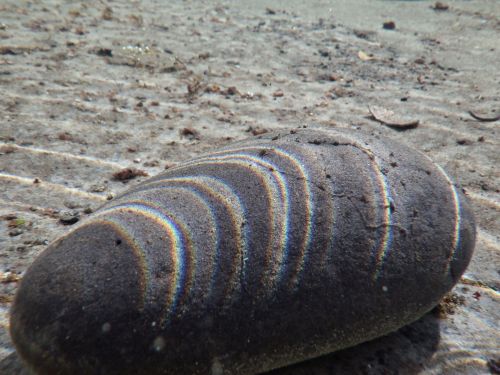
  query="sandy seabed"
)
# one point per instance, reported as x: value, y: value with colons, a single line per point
x: 88, y: 89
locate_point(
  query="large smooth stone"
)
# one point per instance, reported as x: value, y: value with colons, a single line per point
x: 264, y: 253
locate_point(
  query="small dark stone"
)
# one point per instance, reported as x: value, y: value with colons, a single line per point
x: 440, y: 6
x: 104, y: 52
x: 190, y: 133
x: 128, y: 174
x: 464, y: 142
x: 389, y: 25
x: 324, y: 53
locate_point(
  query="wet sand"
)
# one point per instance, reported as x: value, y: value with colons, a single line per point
x: 90, y: 89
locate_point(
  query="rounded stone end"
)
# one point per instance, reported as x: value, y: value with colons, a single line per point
x: 80, y: 303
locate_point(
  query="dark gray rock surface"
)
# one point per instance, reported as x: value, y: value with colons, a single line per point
x: 264, y: 253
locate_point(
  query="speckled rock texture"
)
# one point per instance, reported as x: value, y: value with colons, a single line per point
x: 261, y: 254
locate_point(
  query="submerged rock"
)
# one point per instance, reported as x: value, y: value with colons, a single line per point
x: 263, y: 253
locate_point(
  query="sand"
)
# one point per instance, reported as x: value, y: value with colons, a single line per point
x: 90, y: 89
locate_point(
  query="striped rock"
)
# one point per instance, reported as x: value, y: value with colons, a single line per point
x: 264, y: 253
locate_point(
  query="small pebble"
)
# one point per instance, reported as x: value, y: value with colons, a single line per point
x: 389, y: 25
x: 98, y: 188
x: 69, y: 217
x: 440, y: 6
